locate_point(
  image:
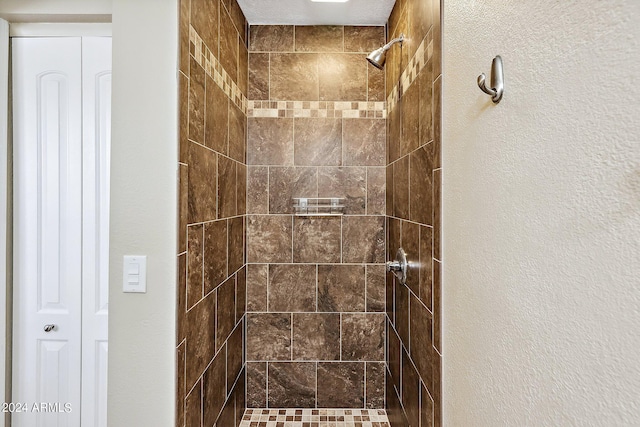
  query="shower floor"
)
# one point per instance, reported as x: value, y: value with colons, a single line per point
x: 315, y: 418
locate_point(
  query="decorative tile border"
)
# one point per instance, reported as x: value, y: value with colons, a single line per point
x: 213, y: 68
x: 416, y: 64
x: 330, y: 109
x: 315, y: 418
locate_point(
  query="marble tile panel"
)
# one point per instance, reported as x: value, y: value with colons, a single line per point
x: 234, y: 356
x: 204, y: 19
x: 226, y: 311
x: 340, y: 385
x: 257, y: 279
x: 393, y: 356
x: 395, y: 413
x: 294, y: 76
x: 376, y: 191
x: 181, y: 299
x: 236, y: 244
x: 376, y: 292
x: 193, y: 407
x: 227, y: 416
x: 410, y: 242
x: 256, y: 384
x: 241, y: 293
x: 319, y: 38
x: 389, y: 190
x: 257, y: 190
x: 196, y: 102
x: 437, y: 121
x: 348, y: 182
x: 364, y: 142
x: 217, y: 118
x: 363, y: 39
x: 228, y: 56
x: 292, y: 288
x: 258, y: 76
x: 271, y: 38
x: 316, y: 239
x: 183, y: 206
x: 437, y: 214
x: 237, y: 133
x: 402, y: 311
x: 200, y: 334
x: 410, y: 119
x: 426, y: 267
x: 215, y: 254
x: 202, y: 197
x: 363, y: 239
x: 195, y: 255
x: 421, y: 336
x: 238, y: 19
x: 437, y: 305
x: 341, y: 288
x: 393, y: 134
x: 268, y: 336
x: 183, y: 30
x: 426, y: 106
x: 375, y: 84
x: 410, y: 391
x: 240, y: 396
x: 426, y: 407
x: 401, y: 188
x: 270, y: 141
x: 183, y: 93
x: 421, y: 185
x: 292, y: 385
x: 180, y: 385
x: 214, y: 389
x: 317, y: 142
x: 269, y: 238
x: 375, y: 375
x: 241, y: 189
x: 316, y: 336
x: 342, y: 77
x: 285, y: 183
x: 226, y: 187
x: 363, y: 336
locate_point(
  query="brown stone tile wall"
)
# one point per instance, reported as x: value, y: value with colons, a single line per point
x: 315, y: 284
x: 211, y: 300
x: 414, y: 352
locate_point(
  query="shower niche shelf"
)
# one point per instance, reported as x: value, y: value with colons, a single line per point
x: 318, y: 206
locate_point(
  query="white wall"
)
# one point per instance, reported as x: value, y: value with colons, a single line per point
x: 47, y: 10
x: 541, y: 214
x: 143, y: 211
x: 4, y: 220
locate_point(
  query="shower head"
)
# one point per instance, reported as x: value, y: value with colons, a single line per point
x: 378, y: 57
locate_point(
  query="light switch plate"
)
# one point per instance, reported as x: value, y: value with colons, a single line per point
x: 131, y: 282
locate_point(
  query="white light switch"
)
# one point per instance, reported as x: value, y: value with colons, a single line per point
x: 134, y: 274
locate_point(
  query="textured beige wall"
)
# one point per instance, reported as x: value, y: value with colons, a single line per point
x: 541, y: 214
x: 143, y: 211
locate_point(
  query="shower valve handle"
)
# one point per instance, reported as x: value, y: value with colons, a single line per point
x: 400, y: 266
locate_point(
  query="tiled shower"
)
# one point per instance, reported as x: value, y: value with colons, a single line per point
x: 286, y: 310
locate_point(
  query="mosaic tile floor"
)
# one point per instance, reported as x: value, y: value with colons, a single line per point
x: 315, y: 418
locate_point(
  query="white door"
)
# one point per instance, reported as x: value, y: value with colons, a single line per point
x: 61, y: 107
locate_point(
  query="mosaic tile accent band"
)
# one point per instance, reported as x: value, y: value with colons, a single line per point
x: 328, y: 109
x: 205, y: 58
x: 315, y: 418
x: 410, y: 73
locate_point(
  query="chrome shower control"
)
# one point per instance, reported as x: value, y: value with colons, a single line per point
x: 399, y: 266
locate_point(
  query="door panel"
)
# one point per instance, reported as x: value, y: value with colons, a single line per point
x: 62, y: 132
x: 96, y: 85
x: 47, y: 225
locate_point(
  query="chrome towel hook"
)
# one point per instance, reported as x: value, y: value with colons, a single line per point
x: 497, y: 81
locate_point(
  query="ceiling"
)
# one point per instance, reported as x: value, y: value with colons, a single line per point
x: 306, y: 12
